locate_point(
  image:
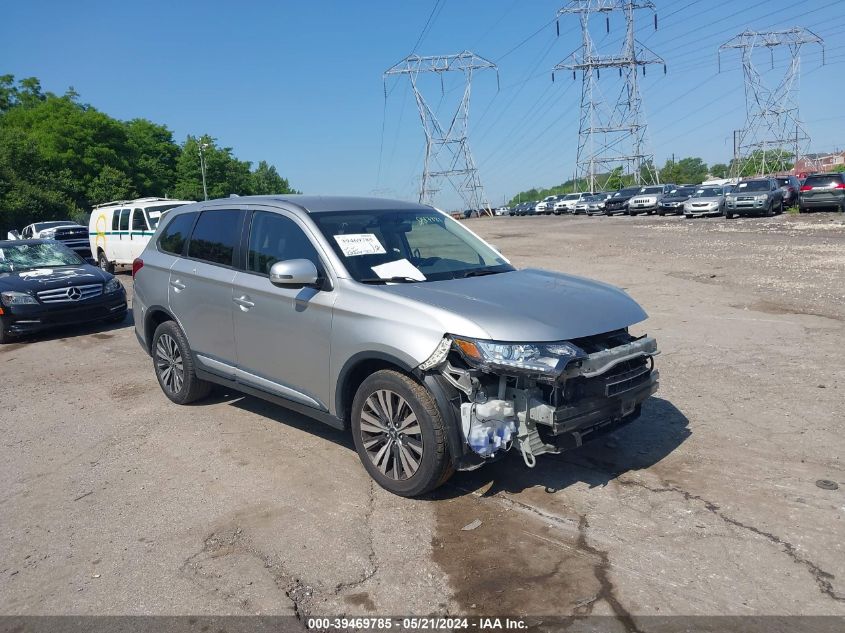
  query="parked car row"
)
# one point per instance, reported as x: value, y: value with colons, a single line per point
x: 750, y: 196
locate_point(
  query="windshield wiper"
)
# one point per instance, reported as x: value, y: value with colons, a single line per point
x: 392, y: 280
x: 480, y: 272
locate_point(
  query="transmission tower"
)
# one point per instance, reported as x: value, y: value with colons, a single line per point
x: 773, y: 133
x: 611, y: 134
x: 447, y: 153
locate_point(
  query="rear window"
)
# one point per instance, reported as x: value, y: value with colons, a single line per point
x: 175, y: 234
x: 214, y: 237
x: 827, y: 180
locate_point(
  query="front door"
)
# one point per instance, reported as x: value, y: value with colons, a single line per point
x: 200, y: 292
x: 282, y: 333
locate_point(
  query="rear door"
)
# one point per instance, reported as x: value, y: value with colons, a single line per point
x: 200, y: 288
x: 139, y: 233
x: 121, y: 244
x: 282, y: 333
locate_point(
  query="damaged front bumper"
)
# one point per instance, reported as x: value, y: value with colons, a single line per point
x: 594, y: 395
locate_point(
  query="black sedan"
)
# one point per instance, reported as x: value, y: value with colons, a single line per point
x: 44, y: 284
x: 673, y: 202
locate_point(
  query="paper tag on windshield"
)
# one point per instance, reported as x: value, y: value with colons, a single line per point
x: 399, y: 268
x: 359, y: 244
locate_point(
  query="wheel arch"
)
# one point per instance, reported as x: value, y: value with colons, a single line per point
x: 356, y: 370
x: 155, y: 316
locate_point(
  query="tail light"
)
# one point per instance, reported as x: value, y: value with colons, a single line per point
x: 137, y: 265
x: 806, y: 188
x: 839, y: 185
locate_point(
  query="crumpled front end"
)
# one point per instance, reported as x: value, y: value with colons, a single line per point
x: 544, y: 397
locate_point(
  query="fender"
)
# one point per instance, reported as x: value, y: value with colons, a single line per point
x: 355, y: 360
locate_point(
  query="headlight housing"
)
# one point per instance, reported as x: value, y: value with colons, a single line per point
x: 544, y: 359
x: 112, y: 285
x: 47, y: 234
x: 12, y: 298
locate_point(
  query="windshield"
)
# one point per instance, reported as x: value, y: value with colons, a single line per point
x: 154, y: 214
x: 40, y: 226
x: 572, y: 196
x: 682, y: 191
x: 708, y: 192
x: 753, y: 185
x: 28, y: 256
x: 651, y: 190
x: 626, y: 192
x: 416, y: 245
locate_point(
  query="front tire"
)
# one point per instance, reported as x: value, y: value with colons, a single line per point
x: 399, y: 434
x: 174, y: 365
x: 104, y: 263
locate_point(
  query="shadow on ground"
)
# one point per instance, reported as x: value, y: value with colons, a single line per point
x: 641, y: 444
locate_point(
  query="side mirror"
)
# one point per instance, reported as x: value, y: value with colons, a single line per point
x: 13, y: 235
x: 294, y: 272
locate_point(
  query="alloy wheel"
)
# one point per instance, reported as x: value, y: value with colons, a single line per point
x: 391, y: 434
x: 169, y: 364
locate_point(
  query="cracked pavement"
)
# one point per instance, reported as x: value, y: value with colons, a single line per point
x: 115, y: 501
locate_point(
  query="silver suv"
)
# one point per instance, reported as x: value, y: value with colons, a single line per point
x: 391, y: 319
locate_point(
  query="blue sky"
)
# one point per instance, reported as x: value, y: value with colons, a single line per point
x: 300, y: 83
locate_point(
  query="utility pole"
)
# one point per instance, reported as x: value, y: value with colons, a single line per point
x: 447, y: 153
x: 771, y: 112
x: 202, y: 170
x: 611, y: 133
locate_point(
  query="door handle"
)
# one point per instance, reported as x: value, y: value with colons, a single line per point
x: 244, y: 302
x: 177, y: 285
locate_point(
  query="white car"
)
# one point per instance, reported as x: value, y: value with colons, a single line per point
x: 71, y: 234
x: 119, y: 231
x: 567, y: 203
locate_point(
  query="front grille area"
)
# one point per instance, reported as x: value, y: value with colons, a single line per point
x: 70, y: 294
x: 617, y: 380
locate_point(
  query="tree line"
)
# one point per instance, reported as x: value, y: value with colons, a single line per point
x: 59, y: 157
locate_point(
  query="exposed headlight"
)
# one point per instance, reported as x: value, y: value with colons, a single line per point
x: 12, y: 298
x: 112, y: 285
x: 546, y: 359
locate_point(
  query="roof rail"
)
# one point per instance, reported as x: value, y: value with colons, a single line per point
x: 119, y: 202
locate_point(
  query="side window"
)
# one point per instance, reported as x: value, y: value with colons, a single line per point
x: 115, y: 220
x: 139, y: 222
x: 175, y: 234
x: 124, y: 219
x: 215, y: 236
x: 27, y: 233
x: 274, y: 238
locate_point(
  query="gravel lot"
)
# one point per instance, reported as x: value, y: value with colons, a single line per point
x: 115, y: 501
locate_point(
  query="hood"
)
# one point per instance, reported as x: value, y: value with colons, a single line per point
x: 529, y: 305
x: 708, y: 199
x: 622, y: 198
x: 48, y: 278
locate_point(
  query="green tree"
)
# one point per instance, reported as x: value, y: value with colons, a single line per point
x: 152, y: 155
x: 225, y: 174
x: 686, y: 170
x: 110, y: 184
x: 266, y: 180
x: 719, y: 170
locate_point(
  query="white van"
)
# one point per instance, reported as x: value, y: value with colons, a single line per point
x: 119, y: 230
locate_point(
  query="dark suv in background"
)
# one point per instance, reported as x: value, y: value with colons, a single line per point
x: 822, y: 191
x: 790, y: 187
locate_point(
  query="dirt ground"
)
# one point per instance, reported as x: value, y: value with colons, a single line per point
x: 115, y: 501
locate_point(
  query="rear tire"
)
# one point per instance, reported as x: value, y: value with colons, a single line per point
x: 174, y: 365
x: 104, y: 263
x: 399, y: 434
